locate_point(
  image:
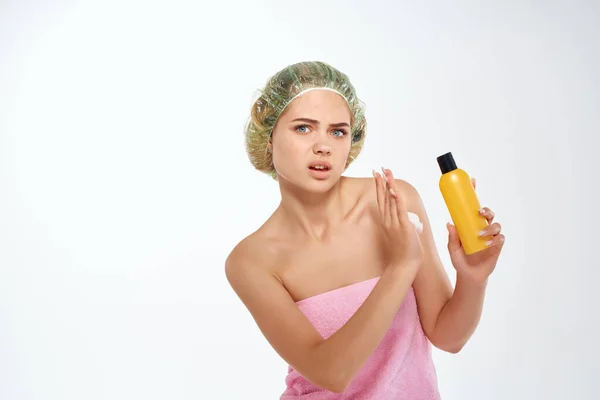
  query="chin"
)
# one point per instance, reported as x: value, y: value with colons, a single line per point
x: 304, y: 181
x: 319, y: 185
x: 316, y: 186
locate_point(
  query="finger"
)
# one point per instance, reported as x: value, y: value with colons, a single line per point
x: 390, y: 187
x: 496, y: 241
x: 474, y: 183
x: 488, y: 214
x: 393, y: 208
x: 492, y: 230
x: 454, y: 242
x: 380, y: 190
x: 385, y: 197
x: 400, y: 212
x: 395, y: 205
x: 392, y: 195
x: 389, y: 199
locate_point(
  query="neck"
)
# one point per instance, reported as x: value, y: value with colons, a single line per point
x: 313, y: 214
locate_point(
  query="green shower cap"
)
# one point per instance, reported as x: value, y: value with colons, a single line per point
x: 281, y: 90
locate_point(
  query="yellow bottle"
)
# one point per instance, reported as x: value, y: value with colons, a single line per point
x: 463, y: 204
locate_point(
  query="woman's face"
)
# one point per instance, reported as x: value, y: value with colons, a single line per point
x: 311, y: 140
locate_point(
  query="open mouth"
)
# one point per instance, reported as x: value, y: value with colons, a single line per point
x: 319, y: 168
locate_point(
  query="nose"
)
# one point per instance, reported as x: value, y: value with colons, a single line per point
x: 321, y: 147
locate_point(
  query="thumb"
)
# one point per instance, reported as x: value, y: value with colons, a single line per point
x: 453, y: 239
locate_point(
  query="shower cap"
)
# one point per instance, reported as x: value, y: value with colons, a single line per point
x: 280, y: 90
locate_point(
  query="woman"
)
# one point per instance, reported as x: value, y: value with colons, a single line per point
x: 338, y: 279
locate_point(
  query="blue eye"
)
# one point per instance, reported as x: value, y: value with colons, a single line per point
x: 301, y: 127
x: 341, y: 131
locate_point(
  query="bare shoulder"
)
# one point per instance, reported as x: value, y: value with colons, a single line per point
x: 364, y: 189
x: 251, y: 273
x: 249, y: 261
x: 413, y: 198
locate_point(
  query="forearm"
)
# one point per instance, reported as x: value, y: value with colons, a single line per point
x: 344, y: 353
x: 460, y: 315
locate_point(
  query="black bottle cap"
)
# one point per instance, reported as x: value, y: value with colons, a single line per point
x: 446, y: 162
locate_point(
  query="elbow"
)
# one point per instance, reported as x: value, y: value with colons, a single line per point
x: 337, y: 386
x: 340, y: 386
x: 452, y: 348
x: 338, y: 389
x: 329, y: 373
x: 335, y: 383
x: 332, y: 380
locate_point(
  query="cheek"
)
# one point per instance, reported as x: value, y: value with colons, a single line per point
x: 344, y: 150
x: 284, y: 151
x: 291, y: 147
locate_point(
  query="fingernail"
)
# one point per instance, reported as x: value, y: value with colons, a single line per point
x: 481, y: 211
x: 489, y: 243
x: 481, y: 233
x: 374, y: 172
x: 392, y: 192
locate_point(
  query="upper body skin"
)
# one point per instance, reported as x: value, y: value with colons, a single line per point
x: 326, y: 234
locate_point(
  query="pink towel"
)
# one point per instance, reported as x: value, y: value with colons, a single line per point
x: 400, y: 368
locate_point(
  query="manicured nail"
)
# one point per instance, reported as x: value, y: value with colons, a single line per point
x: 384, y: 176
x: 489, y: 243
x: 481, y: 211
x: 481, y: 233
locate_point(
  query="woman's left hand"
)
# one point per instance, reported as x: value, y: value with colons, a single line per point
x: 477, y: 267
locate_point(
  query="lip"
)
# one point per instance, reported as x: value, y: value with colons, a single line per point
x: 320, y: 174
x: 325, y: 164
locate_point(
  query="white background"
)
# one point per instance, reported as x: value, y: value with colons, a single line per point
x: 124, y: 183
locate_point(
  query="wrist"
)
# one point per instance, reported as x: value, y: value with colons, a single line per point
x: 406, y: 267
x: 471, y: 281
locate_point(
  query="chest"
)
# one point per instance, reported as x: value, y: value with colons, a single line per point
x: 354, y: 254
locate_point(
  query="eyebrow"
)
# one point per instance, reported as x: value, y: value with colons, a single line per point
x: 315, y: 122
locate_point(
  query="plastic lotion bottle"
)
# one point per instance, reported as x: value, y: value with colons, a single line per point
x: 463, y: 204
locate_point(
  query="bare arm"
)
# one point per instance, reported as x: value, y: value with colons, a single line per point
x: 329, y: 363
x: 332, y: 363
x: 432, y: 286
x: 449, y: 316
x: 460, y: 316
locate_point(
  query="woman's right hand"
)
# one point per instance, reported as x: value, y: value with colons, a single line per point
x: 402, y: 240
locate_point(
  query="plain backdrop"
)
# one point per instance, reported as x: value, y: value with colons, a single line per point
x: 124, y: 183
